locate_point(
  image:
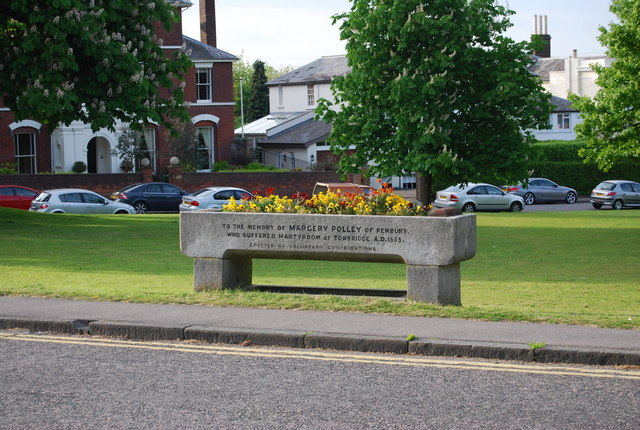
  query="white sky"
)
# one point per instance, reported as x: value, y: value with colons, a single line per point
x: 297, y: 32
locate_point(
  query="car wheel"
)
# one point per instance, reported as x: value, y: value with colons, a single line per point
x: 617, y: 205
x: 529, y: 198
x: 516, y: 207
x: 596, y: 205
x: 571, y: 197
x: 140, y: 207
x: 468, y: 208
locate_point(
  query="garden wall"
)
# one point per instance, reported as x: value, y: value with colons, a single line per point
x: 283, y: 183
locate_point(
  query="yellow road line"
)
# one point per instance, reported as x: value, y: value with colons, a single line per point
x: 533, y: 368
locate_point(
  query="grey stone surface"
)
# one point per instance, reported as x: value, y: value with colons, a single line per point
x: 137, y: 331
x: 224, y: 243
x: 291, y: 339
x: 394, y: 345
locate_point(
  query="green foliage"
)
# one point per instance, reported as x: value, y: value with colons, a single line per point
x: 611, y: 120
x: 97, y: 61
x: 244, y: 70
x: 537, y: 345
x: 411, y: 337
x: 558, y: 150
x: 259, y: 96
x: 219, y: 166
x: 184, y: 145
x: 8, y: 169
x: 435, y: 88
x: 79, y: 167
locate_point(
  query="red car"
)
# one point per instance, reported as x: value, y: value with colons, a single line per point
x: 16, y: 196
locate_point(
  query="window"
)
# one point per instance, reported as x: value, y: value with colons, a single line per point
x: 71, y: 198
x: 25, y: 144
x: 563, y: 121
x: 280, y: 96
x: 204, y: 156
x: 150, y: 146
x: 311, y: 100
x: 203, y: 84
x: 92, y: 198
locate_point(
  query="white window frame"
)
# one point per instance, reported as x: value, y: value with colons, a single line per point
x: 563, y: 121
x: 149, y: 135
x: 30, y: 157
x: 311, y: 98
x: 204, y: 87
x: 205, y: 138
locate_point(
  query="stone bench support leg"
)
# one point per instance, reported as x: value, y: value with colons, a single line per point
x: 221, y: 273
x: 434, y: 284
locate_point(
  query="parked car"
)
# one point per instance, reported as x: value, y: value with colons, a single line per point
x: 540, y: 190
x: 16, y: 196
x: 77, y: 201
x: 478, y: 197
x: 212, y: 198
x: 151, y: 197
x: 617, y: 194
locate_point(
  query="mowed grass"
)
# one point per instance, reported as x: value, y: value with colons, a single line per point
x: 556, y: 267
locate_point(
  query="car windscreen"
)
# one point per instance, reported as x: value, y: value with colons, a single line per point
x: 43, y: 197
x: 607, y: 186
x: 453, y: 188
x: 201, y: 193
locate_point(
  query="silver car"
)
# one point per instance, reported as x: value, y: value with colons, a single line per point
x: 212, y: 198
x: 540, y: 190
x: 617, y: 194
x: 478, y: 197
x: 77, y: 201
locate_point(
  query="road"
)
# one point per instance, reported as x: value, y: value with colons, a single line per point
x: 51, y: 381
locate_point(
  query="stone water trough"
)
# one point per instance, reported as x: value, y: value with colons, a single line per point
x: 224, y: 244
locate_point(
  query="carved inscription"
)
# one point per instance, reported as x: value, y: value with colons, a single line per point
x: 315, y: 237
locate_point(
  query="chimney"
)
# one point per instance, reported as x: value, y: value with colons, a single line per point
x: 540, y: 30
x: 208, y: 22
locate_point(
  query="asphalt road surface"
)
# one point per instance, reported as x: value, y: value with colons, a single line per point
x: 74, y: 382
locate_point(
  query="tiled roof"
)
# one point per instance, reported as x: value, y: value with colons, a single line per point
x: 322, y: 70
x: 202, y: 51
x: 305, y: 134
x: 543, y: 66
x: 562, y: 105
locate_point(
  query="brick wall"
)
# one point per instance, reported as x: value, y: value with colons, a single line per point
x: 284, y: 183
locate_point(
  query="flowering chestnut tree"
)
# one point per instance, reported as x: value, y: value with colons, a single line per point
x: 96, y: 61
x: 435, y: 88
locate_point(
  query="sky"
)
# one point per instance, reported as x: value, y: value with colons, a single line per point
x: 297, y: 32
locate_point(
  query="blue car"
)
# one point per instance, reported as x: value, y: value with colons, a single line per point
x: 151, y: 197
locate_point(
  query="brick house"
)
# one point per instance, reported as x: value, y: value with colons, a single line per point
x: 37, y: 148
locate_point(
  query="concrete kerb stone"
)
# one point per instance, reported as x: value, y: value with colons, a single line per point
x: 291, y: 339
x: 345, y: 342
x: 136, y: 331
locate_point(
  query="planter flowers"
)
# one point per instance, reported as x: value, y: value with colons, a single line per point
x: 378, y: 202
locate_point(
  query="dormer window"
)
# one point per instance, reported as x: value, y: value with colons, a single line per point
x: 203, y: 84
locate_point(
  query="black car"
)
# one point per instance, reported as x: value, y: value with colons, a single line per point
x: 151, y: 197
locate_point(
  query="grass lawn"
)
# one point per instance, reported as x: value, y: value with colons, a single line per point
x: 557, y: 267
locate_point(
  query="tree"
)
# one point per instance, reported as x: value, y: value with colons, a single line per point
x: 184, y: 145
x: 96, y: 61
x: 259, y: 95
x: 436, y: 89
x: 611, y: 120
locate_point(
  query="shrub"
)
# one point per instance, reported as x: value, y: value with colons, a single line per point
x: 8, y: 169
x: 219, y: 166
x: 79, y: 167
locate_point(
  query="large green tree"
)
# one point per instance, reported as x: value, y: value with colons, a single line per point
x: 259, y: 95
x: 611, y: 120
x: 435, y: 88
x: 96, y: 61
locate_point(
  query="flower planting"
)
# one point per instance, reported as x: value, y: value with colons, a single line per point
x: 379, y: 202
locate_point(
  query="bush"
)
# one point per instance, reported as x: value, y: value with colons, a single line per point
x: 8, y: 169
x: 79, y: 167
x: 219, y: 166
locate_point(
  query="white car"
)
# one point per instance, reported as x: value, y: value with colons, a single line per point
x: 478, y: 197
x: 212, y: 198
x: 77, y: 201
